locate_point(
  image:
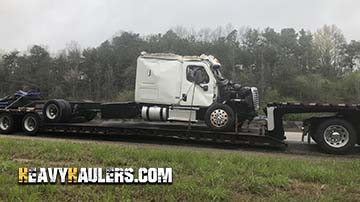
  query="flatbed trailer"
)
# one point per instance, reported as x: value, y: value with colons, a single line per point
x: 337, y: 133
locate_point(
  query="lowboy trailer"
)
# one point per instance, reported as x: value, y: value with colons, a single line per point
x: 188, y: 98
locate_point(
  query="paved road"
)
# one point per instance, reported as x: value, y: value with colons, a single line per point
x: 293, y: 136
x: 296, y: 137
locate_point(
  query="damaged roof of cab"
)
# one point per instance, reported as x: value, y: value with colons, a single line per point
x: 172, y: 56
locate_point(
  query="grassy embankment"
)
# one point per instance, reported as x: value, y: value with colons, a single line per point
x: 198, y: 175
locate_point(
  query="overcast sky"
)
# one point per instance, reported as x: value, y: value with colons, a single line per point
x: 56, y: 22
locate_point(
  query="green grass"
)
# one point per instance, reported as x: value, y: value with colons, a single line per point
x: 198, y: 175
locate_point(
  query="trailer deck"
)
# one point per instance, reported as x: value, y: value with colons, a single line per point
x: 198, y: 132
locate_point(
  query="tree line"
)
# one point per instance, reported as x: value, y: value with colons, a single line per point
x: 286, y: 65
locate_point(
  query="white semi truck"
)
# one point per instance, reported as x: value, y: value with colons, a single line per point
x: 172, y: 88
x: 181, y: 88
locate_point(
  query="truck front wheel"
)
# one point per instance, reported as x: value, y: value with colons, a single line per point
x: 336, y: 136
x: 220, y: 117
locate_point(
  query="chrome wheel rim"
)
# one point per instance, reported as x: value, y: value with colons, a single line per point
x: 30, y: 124
x: 219, y: 118
x: 4, y: 123
x: 336, y: 136
x: 52, y: 111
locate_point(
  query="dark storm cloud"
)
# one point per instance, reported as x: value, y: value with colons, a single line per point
x: 89, y: 22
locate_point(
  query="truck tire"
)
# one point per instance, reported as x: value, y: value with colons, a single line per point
x: 57, y: 111
x: 31, y: 124
x: 220, y: 117
x: 336, y: 136
x: 7, y: 123
x: 67, y: 111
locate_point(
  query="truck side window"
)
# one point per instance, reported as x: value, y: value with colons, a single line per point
x: 190, y: 73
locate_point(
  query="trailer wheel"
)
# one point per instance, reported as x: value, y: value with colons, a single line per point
x: 56, y: 111
x: 31, y: 124
x: 7, y: 123
x: 220, y: 117
x: 336, y: 136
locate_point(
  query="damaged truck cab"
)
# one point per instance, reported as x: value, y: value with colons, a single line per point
x: 171, y: 87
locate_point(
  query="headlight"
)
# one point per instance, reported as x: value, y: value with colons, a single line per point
x: 255, y: 98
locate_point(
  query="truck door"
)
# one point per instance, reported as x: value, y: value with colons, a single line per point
x: 204, y: 92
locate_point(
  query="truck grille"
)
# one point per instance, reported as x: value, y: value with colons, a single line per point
x: 255, y: 97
